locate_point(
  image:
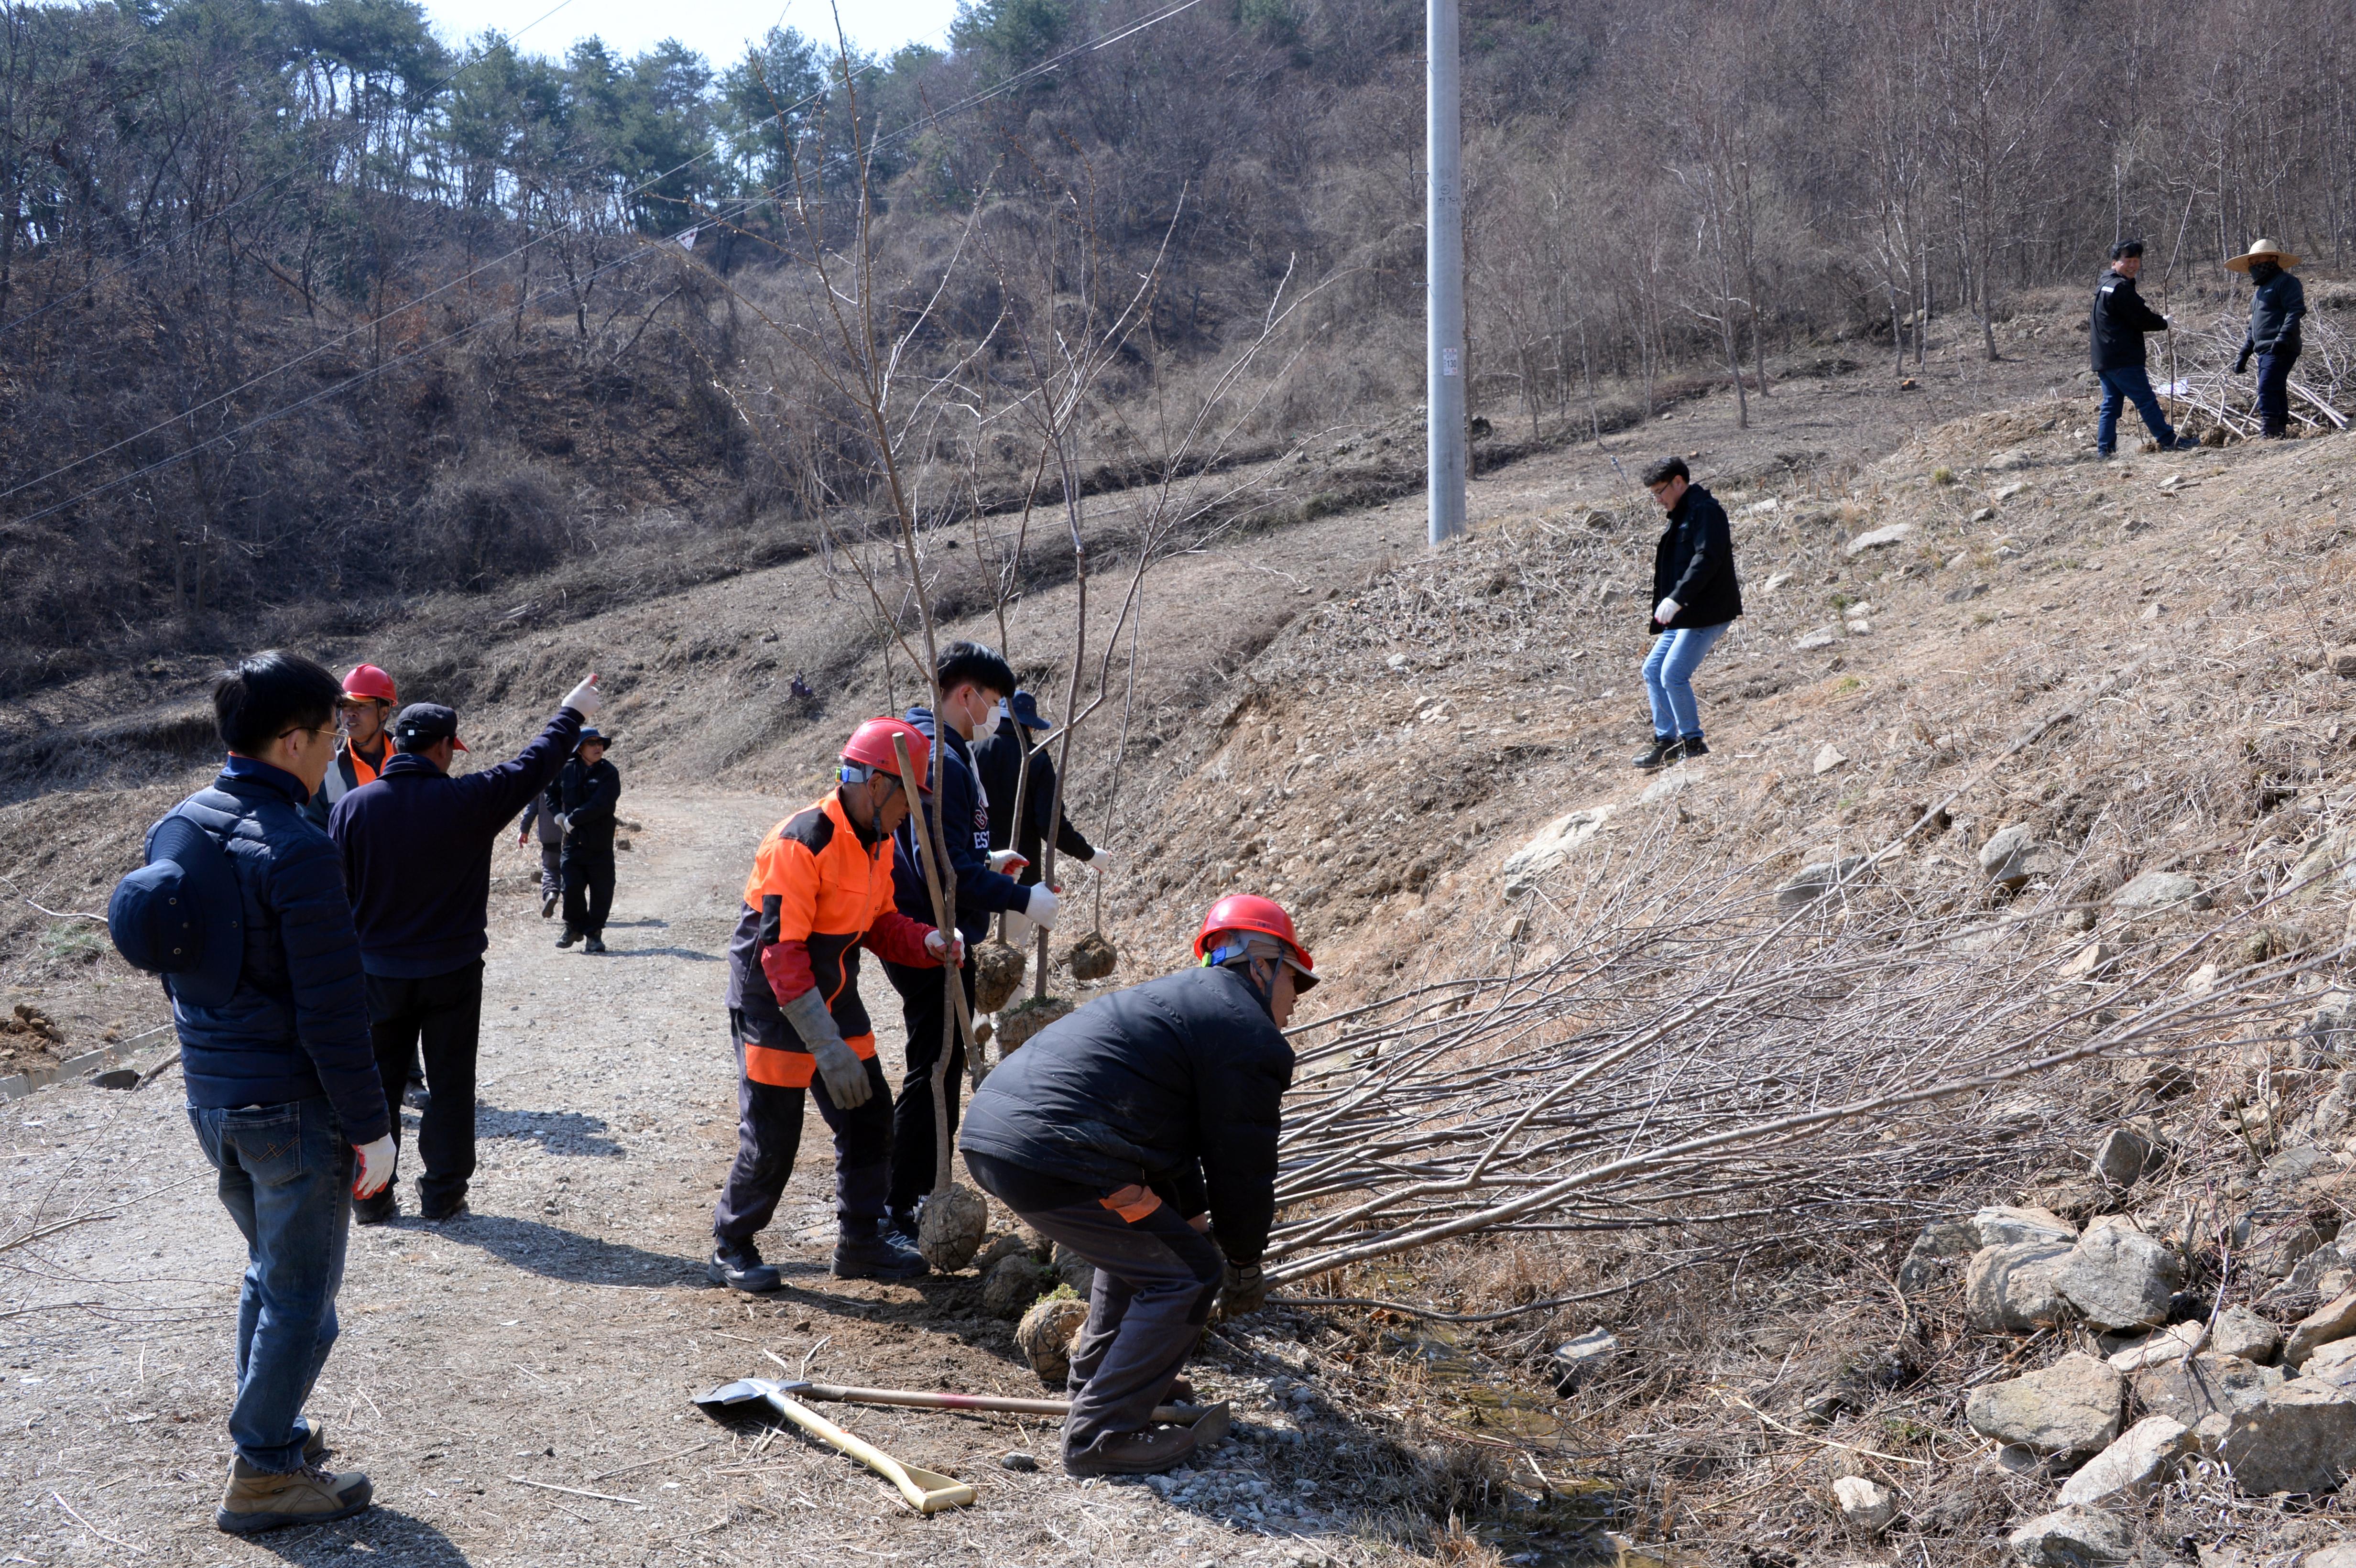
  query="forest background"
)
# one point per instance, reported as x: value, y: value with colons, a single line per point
x: 306, y: 312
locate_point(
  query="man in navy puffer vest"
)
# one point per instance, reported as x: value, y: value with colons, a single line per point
x: 282, y: 1084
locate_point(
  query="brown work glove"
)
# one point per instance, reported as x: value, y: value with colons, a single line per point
x: 1243, y: 1290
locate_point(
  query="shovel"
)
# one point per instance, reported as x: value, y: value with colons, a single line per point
x: 927, y: 1491
x: 1210, y: 1421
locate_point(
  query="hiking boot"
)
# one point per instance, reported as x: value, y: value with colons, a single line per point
x: 738, y: 1266
x: 594, y: 945
x: 548, y: 902
x: 569, y: 938
x: 877, y: 1256
x: 900, y: 1224
x: 1146, y: 1453
x: 1663, y: 747
x: 257, y: 1500
x: 440, y: 1210
x: 1691, y: 746
x: 2188, y: 443
x: 382, y: 1209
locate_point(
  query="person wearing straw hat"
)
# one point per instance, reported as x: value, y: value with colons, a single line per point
x: 2277, y: 304
x: 2121, y: 319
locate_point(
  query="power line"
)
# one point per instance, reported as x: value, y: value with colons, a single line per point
x: 743, y: 206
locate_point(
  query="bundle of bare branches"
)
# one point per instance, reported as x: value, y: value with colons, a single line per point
x: 1706, y: 1069
x: 2322, y: 389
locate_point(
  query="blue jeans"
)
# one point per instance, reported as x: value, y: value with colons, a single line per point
x: 286, y: 1180
x: 1668, y: 678
x: 2120, y: 387
x: 2274, y: 388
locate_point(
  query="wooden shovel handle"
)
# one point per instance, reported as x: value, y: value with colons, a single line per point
x: 920, y: 1498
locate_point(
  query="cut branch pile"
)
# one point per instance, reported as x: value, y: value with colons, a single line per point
x: 2322, y: 387
x: 1719, y: 1074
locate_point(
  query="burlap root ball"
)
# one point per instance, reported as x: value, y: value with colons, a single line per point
x: 1045, y: 1334
x: 950, y: 1226
x: 1016, y: 1026
x: 997, y: 975
x: 1092, y: 957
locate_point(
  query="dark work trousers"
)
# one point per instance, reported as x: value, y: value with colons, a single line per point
x: 440, y: 1017
x: 769, y: 1133
x: 925, y: 1007
x: 2274, y: 388
x: 1156, y: 1279
x: 551, y: 869
x: 588, y: 887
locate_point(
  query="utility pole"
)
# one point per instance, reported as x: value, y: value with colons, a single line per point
x: 1443, y: 269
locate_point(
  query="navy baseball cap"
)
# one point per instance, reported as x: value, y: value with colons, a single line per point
x: 1025, y: 709
x: 182, y: 915
x: 422, y: 723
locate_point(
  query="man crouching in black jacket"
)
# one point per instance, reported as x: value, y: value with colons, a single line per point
x: 1126, y: 1131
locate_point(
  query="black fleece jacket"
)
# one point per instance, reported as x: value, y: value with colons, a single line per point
x: 1694, y: 564
x: 2121, y: 318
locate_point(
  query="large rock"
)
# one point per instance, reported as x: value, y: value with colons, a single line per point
x: 2117, y: 1277
x: 2239, y: 1332
x: 1933, y: 1253
x: 1818, y: 878
x: 2006, y: 1225
x: 2335, y: 1320
x: 1880, y: 538
x: 2071, y: 1407
x: 2335, y: 1364
x: 2201, y: 1386
x: 2300, y: 1439
x: 2142, y: 1460
x: 2072, y: 1538
x: 1556, y: 844
x: 2172, y: 1343
x: 2160, y: 890
x: 2011, y: 1290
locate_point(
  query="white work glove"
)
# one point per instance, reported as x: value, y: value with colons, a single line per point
x: 1101, y: 861
x: 584, y: 699
x: 1666, y: 611
x: 1007, y: 863
x: 838, y: 1064
x: 1018, y: 928
x: 375, y: 1170
x: 1041, y: 910
x: 948, y: 951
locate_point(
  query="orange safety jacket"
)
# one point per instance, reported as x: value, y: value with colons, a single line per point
x: 819, y: 891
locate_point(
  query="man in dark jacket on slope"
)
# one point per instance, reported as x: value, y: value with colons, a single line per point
x: 2121, y: 318
x: 417, y: 848
x: 2278, y: 305
x: 282, y: 1086
x: 1140, y: 1133
x: 1696, y: 597
x: 998, y: 764
x: 972, y: 679
x: 588, y: 790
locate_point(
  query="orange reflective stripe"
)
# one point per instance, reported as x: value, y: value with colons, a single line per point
x: 862, y: 1046
x: 1132, y: 1202
x: 777, y: 1068
x: 362, y: 773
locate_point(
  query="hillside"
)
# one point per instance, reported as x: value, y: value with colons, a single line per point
x: 1958, y: 624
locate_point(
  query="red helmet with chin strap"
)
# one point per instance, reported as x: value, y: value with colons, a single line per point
x: 870, y: 746
x: 368, y: 681
x: 1265, y: 917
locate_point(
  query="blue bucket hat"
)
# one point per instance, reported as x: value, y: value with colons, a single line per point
x: 1025, y: 710
x: 182, y: 915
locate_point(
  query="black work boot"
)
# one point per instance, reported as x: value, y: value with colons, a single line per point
x: 1691, y: 746
x: 380, y: 1209
x: 548, y: 902
x: 1146, y: 1453
x: 594, y: 945
x: 1663, y: 747
x: 738, y: 1266
x: 569, y: 938
x: 864, y: 1249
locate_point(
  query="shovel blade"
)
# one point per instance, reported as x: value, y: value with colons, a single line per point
x: 731, y: 1401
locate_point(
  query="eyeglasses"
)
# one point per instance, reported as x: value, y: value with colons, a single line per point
x: 326, y: 729
x: 1663, y: 484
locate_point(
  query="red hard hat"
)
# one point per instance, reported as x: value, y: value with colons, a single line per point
x: 366, y: 680
x: 870, y: 746
x: 1249, y: 912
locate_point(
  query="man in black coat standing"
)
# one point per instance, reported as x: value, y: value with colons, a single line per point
x: 2121, y: 318
x: 588, y: 789
x: 417, y: 848
x: 1696, y: 598
x: 1140, y: 1133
